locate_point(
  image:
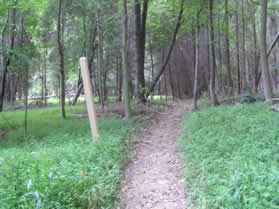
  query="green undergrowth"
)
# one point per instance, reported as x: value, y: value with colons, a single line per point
x: 232, y: 157
x: 56, y: 165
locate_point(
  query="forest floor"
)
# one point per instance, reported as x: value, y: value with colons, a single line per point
x: 154, y: 177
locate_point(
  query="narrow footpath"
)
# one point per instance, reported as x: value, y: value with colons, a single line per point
x: 154, y: 177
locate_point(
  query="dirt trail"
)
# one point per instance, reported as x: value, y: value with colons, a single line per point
x: 154, y: 178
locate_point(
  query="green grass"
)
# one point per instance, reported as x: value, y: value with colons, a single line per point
x: 56, y: 165
x: 51, y: 101
x: 232, y: 157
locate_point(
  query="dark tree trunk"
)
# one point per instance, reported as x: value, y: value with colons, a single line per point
x: 45, y: 77
x: 197, y: 39
x: 7, y: 56
x: 100, y: 65
x: 60, y: 33
x: 165, y: 87
x: 140, y: 23
x: 151, y: 75
x: 256, y: 56
x: 171, y: 81
x: 125, y: 62
x: 244, y: 69
x: 237, y: 48
x: 227, y: 50
x: 119, y: 78
x: 26, y: 78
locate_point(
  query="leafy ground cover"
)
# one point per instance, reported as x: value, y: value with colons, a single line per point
x: 56, y: 165
x: 232, y: 157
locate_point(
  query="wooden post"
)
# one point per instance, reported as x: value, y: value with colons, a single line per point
x: 88, y: 90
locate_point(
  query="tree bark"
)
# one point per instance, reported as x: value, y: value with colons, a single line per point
x: 197, y: 38
x: 125, y: 61
x: 237, y: 48
x: 255, y: 52
x: 7, y: 56
x: 60, y: 33
x: 26, y: 87
x: 263, y: 50
x: 171, y: 81
x: 151, y: 72
x: 119, y: 78
x: 244, y: 69
x: 140, y: 23
x: 227, y: 50
x: 212, y: 55
x: 45, y: 76
x: 100, y: 66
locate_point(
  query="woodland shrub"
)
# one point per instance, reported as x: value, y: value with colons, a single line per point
x: 248, y: 96
x: 232, y: 157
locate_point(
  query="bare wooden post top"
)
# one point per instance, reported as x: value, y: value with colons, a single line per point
x: 88, y: 90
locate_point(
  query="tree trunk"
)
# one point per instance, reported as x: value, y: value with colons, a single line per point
x: 45, y: 76
x: 166, y: 93
x: 125, y: 61
x: 219, y: 58
x: 140, y: 23
x: 42, y: 81
x: 237, y: 48
x: 212, y: 55
x: 197, y: 38
x: 171, y: 81
x: 244, y: 69
x: 105, y: 89
x: 273, y: 27
x: 255, y: 53
x: 14, y: 89
x: 26, y: 78
x: 119, y: 77
x: 60, y: 33
x: 263, y: 50
x: 151, y: 75
x: 100, y: 66
x: 7, y: 58
x: 227, y: 50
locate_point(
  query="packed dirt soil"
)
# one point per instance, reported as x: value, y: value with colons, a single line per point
x: 154, y: 177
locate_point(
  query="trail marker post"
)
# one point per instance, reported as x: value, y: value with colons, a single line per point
x: 88, y: 90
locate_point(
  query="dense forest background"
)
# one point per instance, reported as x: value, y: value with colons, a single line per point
x: 175, y: 49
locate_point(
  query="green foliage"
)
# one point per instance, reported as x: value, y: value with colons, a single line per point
x: 56, y: 165
x: 249, y: 97
x: 232, y: 156
x: 163, y: 15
